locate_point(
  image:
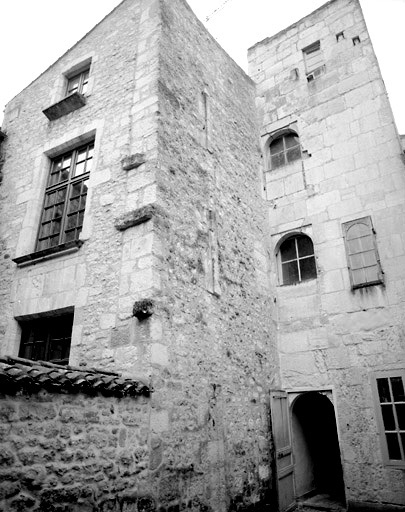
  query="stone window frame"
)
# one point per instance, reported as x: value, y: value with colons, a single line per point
x: 25, y: 251
x: 83, y: 76
x: 354, y: 282
x: 286, y: 236
x: 40, y: 332
x: 73, y: 67
x: 382, y: 419
x: 278, y: 134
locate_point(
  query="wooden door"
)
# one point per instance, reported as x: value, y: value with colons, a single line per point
x: 280, y: 421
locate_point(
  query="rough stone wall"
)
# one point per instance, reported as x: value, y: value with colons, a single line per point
x: 164, y: 95
x: 112, y: 268
x: 330, y: 336
x: 215, y: 307
x: 73, y: 452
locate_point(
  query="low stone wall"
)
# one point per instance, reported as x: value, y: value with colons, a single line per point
x: 73, y: 452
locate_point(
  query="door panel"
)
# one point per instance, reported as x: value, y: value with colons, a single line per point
x: 283, y: 449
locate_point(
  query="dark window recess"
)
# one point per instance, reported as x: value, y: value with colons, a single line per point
x: 297, y: 259
x: 391, y: 396
x: 314, y: 62
x: 78, y: 82
x: 340, y: 36
x: 47, y: 339
x: 356, y: 40
x: 65, y: 198
x: 284, y: 149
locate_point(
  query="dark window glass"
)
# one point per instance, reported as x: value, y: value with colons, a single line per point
x: 47, y: 339
x: 400, y: 410
x: 394, y: 451
x: 284, y: 149
x: 397, y: 389
x: 388, y: 417
x: 78, y: 83
x: 297, y: 259
x: 65, y: 196
x: 383, y: 390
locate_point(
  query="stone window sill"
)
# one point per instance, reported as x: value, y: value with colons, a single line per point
x: 65, y: 106
x: 47, y: 254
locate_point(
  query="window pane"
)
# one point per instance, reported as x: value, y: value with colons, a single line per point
x: 288, y: 250
x: 394, y: 451
x: 383, y: 390
x: 70, y: 236
x: 45, y: 230
x: 55, y: 227
x: 74, y: 204
x: 359, y: 277
x: 388, y: 417
x: 277, y: 146
x: 293, y: 154
x: 277, y: 160
x: 400, y: 409
x: 290, y: 272
x: 71, y: 223
x: 305, y: 246
x: 291, y: 140
x: 398, y: 389
x: 372, y: 274
x: 80, y: 168
x: 308, y: 268
x: 76, y: 189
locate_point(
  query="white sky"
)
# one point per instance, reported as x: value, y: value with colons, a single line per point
x: 35, y: 33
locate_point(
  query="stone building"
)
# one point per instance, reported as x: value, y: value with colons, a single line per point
x: 192, y: 319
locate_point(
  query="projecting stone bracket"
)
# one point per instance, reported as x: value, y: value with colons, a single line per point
x: 65, y: 106
x: 138, y: 216
x: 143, y: 308
x: 133, y: 161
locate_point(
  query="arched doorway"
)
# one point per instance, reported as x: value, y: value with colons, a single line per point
x: 317, y: 464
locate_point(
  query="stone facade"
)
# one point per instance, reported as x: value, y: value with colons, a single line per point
x: 174, y: 225
x: 330, y: 336
x: 175, y: 276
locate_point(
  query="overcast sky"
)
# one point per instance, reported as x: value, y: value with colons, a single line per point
x: 35, y: 33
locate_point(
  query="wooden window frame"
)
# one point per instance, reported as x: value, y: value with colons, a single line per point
x: 382, y: 431
x: 84, y: 76
x: 54, y: 328
x: 298, y: 259
x: 67, y: 184
x: 346, y: 226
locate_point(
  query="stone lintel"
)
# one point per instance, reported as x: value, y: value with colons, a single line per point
x: 133, y: 161
x: 65, y: 106
x: 138, y: 216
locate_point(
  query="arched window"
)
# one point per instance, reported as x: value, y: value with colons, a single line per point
x: 284, y: 149
x: 297, y: 259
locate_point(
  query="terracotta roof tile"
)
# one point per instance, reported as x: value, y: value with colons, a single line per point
x: 23, y: 374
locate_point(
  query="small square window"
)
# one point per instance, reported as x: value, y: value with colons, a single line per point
x: 356, y: 40
x: 389, y: 394
x: 362, y: 255
x: 340, y: 36
x: 47, y: 339
x: 78, y: 82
